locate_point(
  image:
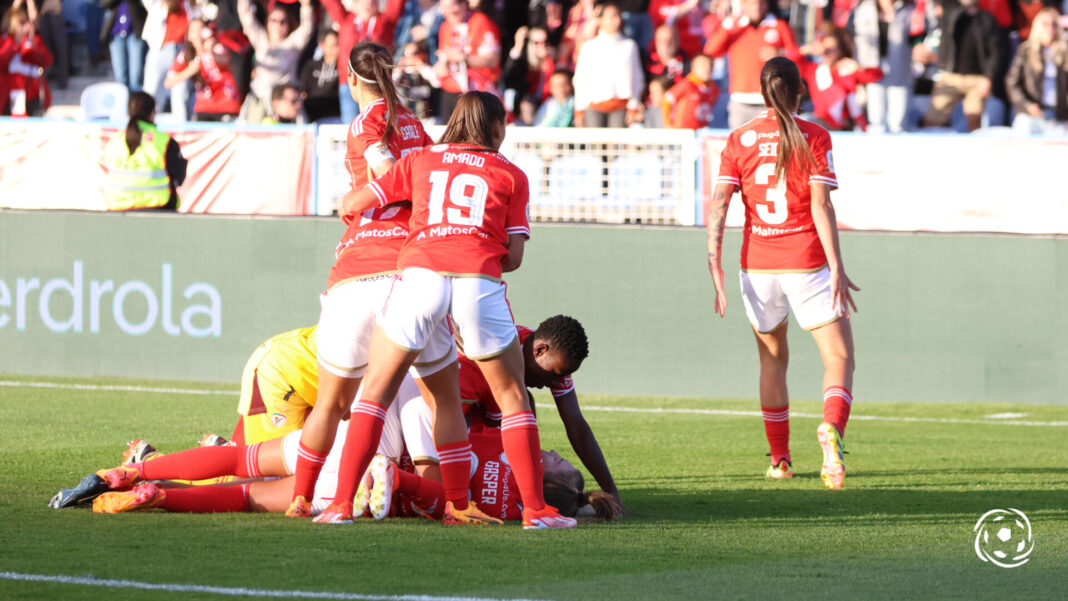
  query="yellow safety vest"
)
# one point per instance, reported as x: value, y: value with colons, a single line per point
x: 138, y: 180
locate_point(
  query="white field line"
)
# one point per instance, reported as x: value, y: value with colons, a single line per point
x: 661, y: 410
x: 230, y: 591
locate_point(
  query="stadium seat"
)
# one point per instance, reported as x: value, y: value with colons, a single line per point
x: 575, y: 179
x: 105, y: 100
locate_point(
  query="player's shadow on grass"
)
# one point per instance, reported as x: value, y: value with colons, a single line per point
x: 815, y: 505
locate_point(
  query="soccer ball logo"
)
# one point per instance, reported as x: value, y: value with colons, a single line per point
x: 1003, y: 538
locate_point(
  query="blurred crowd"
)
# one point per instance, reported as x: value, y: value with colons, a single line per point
x: 869, y: 65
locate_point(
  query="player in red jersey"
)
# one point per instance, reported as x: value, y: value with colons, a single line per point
x: 689, y: 103
x: 469, y: 225
x: 791, y: 259
x: 366, y: 258
x: 550, y: 354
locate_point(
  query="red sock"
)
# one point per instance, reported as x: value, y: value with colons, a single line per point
x: 206, y: 499
x: 777, y: 429
x: 427, y: 495
x: 361, y: 443
x: 837, y: 401
x: 204, y: 462
x: 522, y: 445
x: 309, y: 464
x: 455, y: 460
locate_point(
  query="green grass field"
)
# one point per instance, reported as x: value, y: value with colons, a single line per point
x: 703, y: 522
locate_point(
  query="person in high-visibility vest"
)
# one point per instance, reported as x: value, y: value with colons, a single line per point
x: 145, y: 166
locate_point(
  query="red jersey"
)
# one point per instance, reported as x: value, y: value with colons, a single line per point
x: 466, y: 202
x: 493, y: 485
x: 372, y: 242
x: 22, y: 66
x: 474, y: 390
x: 476, y: 35
x: 780, y: 235
x: 693, y: 103
x: 742, y: 41
x: 834, y: 94
x: 352, y: 30
x: 218, y: 94
x: 688, y: 25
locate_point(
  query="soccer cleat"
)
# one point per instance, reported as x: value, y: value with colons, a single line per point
x: 363, y: 492
x: 833, y: 471
x: 213, y: 440
x: 336, y: 513
x: 91, y: 487
x: 122, y: 477
x: 780, y: 470
x: 471, y: 516
x: 381, y: 496
x: 545, y: 518
x: 142, y: 496
x: 138, y: 451
x: 299, y: 508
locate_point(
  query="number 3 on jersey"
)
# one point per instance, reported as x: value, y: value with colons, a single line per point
x: 465, y: 191
x: 773, y: 209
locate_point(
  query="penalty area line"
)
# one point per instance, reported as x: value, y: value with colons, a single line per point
x: 99, y: 387
x: 230, y: 591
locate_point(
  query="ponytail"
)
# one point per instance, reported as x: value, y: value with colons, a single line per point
x: 567, y: 496
x: 605, y: 506
x: 780, y: 84
x: 140, y: 108
x: 373, y: 66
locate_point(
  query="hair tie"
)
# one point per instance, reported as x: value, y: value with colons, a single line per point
x: 364, y: 79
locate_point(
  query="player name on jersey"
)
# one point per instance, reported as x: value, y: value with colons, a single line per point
x: 464, y: 158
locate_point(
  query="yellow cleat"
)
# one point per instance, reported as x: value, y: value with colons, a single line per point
x: 833, y: 471
x: 299, y: 508
x: 380, y: 497
x: 142, y: 496
x: 781, y: 470
x: 471, y: 516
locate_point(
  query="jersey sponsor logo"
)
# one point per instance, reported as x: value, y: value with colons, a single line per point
x: 278, y: 420
x: 439, y: 148
x: 135, y: 306
x: 830, y: 161
x: 758, y: 230
x: 464, y: 158
x: 748, y: 138
x: 394, y: 232
x: 440, y: 231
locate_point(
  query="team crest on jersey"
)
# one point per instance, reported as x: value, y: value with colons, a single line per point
x: 439, y: 148
x: 748, y: 138
x: 278, y: 420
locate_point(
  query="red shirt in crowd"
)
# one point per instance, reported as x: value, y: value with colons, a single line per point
x: 353, y: 30
x: 692, y: 101
x: 218, y: 95
x: 742, y: 42
x: 476, y: 35
x: 688, y: 25
x: 779, y: 235
x: 834, y: 92
x: 22, y: 68
x: 466, y: 202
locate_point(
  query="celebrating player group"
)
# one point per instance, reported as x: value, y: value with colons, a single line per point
x: 416, y: 353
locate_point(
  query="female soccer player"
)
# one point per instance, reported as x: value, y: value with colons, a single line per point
x: 469, y: 225
x: 790, y: 259
x: 366, y: 258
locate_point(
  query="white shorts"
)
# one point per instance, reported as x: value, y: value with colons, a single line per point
x: 391, y: 445
x: 415, y: 317
x: 769, y: 298
x: 346, y: 321
x: 417, y: 424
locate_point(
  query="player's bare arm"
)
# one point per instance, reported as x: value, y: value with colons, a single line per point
x: 582, y: 440
x: 823, y: 217
x: 356, y: 202
x: 515, y: 245
x: 717, y: 219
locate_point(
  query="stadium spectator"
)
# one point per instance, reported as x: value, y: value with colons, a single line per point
x: 685, y: 17
x: 229, y: 33
x: 832, y: 82
x: 748, y: 39
x: 145, y: 166
x: 580, y: 27
x: 654, y: 104
x: 608, y: 77
x: 469, y: 54
x: 23, y: 59
x: 970, y: 56
x: 205, y: 61
x: 881, y: 36
x: 1026, y: 12
x: 637, y: 24
x: 528, y: 69
x: 286, y: 105
x: 122, y: 31
x: 364, y: 23
x: 319, y: 80
x: 1037, y: 81
x: 277, y: 47
x: 689, y: 103
x: 791, y: 261
x: 414, y: 77
x: 53, y: 30
x: 165, y: 27
x: 548, y: 15
x: 418, y: 22
x: 558, y: 110
x: 666, y: 58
